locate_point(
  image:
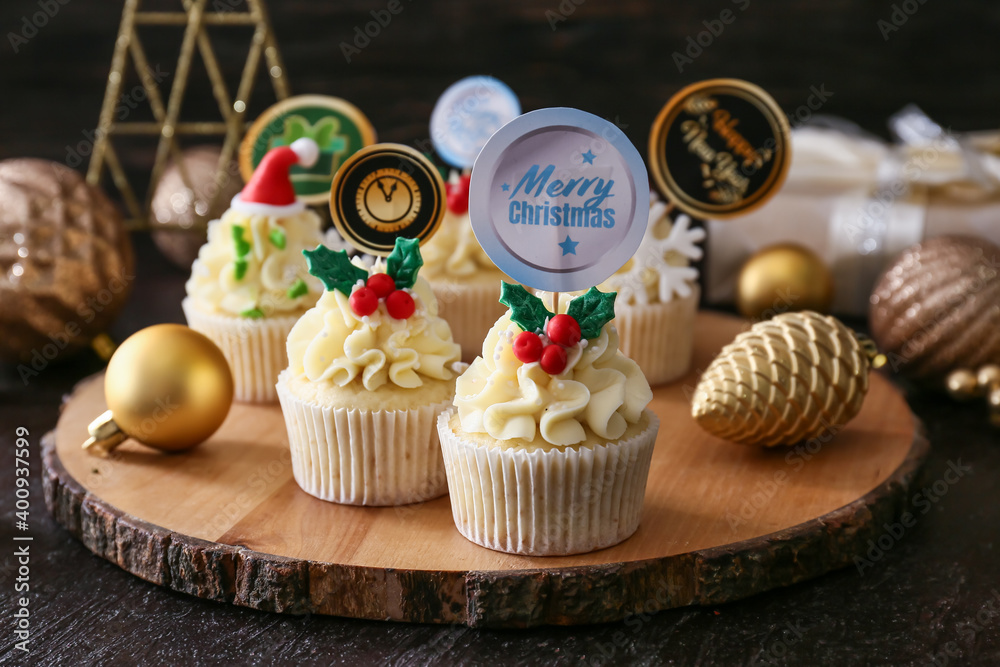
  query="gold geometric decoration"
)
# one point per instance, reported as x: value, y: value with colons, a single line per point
x: 167, y: 124
x: 795, y: 377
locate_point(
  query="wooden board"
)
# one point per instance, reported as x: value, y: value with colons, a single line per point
x: 227, y: 522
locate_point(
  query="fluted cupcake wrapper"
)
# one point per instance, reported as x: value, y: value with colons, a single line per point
x: 659, y: 336
x: 471, y: 310
x: 547, y: 503
x: 364, y: 457
x: 254, y: 348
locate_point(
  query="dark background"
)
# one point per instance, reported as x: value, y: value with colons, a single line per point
x: 935, y: 596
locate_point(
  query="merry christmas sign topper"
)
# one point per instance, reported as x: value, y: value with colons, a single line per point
x: 559, y: 199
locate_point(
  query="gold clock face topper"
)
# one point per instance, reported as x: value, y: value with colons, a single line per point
x: 383, y: 192
x: 719, y: 148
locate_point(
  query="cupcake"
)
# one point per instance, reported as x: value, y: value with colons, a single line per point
x: 658, y: 296
x: 370, y: 368
x: 464, y: 279
x: 250, y: 282
x: 548, y: 446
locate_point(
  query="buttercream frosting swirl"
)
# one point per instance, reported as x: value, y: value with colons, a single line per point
x: 331, y: 343
x: 263, y: 279
x: 454, y: 252
x: 600, y: 390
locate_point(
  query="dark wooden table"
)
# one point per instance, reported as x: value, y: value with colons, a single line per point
x: 932, y: 597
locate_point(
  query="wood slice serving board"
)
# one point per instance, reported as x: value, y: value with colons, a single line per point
x: 227, y: 522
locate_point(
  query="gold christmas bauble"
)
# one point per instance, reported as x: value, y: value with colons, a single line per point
x: 177, y: 206
x: 791, y: 378
x: 66, y: 264
x: 783, y: 278
x: 167, y: 386
x: 937, y: 308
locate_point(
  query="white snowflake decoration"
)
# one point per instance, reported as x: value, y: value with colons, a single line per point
x: 652, y: 256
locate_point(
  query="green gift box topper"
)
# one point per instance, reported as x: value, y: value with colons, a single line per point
x: 334, y: 148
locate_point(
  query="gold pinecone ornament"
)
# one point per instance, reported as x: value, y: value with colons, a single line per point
x: 786, y: 380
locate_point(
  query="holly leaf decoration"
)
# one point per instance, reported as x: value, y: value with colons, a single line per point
x: 526, y: 310
x: 334, y: 269
x: 592, y: 310
x: 404, y: 262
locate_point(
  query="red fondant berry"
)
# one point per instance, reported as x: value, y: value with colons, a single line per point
x: 364, y: 301
x: 527, y: 347
x: 564, y: 330
x: 554, y: 359
x: 458, y: 195
x: 382, y: 284
x: 400, y: 305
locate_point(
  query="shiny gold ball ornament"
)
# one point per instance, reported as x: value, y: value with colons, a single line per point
x: 791, y: 378
x: 186, y: 210
x: 66, y: 264
x: 783, y: 278
x: 937, y: 307
x: 167, y: 386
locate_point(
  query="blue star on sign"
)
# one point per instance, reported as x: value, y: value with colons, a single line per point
x: 505, y: 187
x: 568, y: 246
x: 588, y: 157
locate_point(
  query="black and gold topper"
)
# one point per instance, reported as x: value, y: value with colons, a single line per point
x: 719, y: 148
x: 383, y: 192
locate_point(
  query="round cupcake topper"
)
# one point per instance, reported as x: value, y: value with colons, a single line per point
x: 337, y: 127
x: 719, y: 148
x: 559, y: 199
x: 383, y: 192
x: 466, y: 116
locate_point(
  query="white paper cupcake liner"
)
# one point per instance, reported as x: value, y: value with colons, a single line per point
x: 254, y: 348
x: 364, y: 457
x: 547, y: 503
x: 471, y: 310
x: 659, y: 336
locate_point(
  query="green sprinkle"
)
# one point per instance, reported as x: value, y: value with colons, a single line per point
x: 278, y: 238
x: 242, y: 247
x: 240, y: 267
x: 298, y: 288
x: 252, y: 313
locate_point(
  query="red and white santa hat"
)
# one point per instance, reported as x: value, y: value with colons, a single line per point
x: 270, y: 191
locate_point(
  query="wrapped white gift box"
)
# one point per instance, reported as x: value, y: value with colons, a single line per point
x: 858, y: 201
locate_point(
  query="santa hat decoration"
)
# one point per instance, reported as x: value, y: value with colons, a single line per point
x: 270, y: 191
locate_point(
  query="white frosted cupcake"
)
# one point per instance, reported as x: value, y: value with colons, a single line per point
x: 250, y: 282
x: 548, y: 448
x: 658, y: 296
x: 464, y: 279
x: 371, y: 367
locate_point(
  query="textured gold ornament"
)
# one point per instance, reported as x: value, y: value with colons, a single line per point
x: 783, y: 278
x: 167, y: 386
x: 178, y: 208
x: 66, y: 265
x: 937, y: 308
x: 794, y: 377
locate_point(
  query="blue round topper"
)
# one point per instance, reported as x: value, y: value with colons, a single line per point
x: 466, y: 116
x: 559, y: 199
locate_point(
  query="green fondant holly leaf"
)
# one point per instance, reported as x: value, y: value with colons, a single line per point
x: 404, y: 262
x: 592, y: 310
x: 526, y: 310
x: 278, y: 238
x: 334, y: 269
x: 241, y: 247
x: 298, y: 288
